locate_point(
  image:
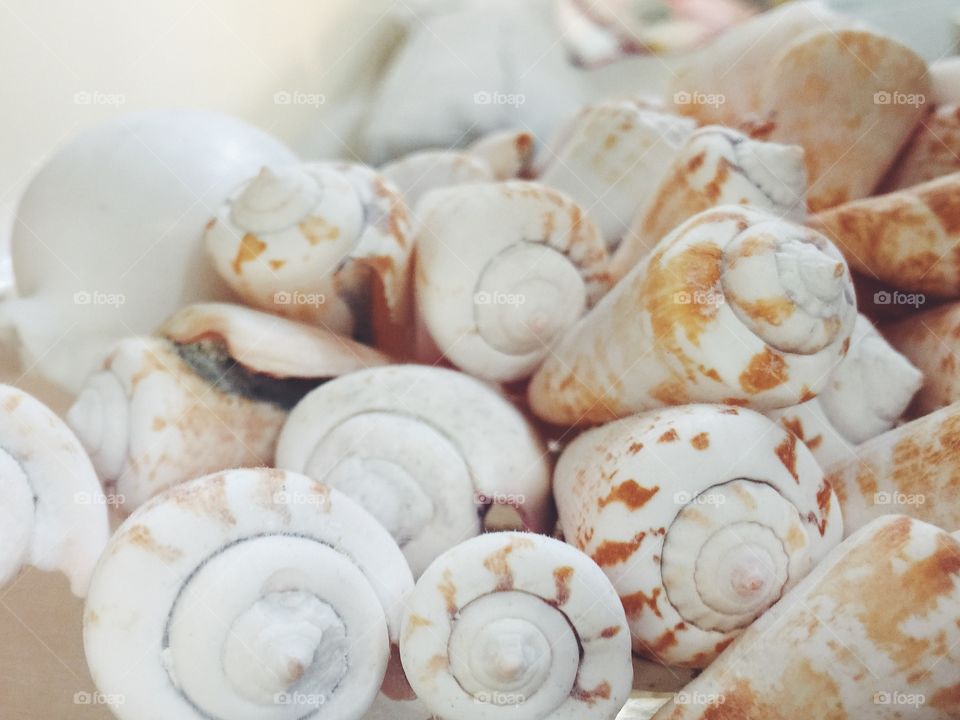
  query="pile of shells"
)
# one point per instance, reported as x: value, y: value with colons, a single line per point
x: 510, y: 431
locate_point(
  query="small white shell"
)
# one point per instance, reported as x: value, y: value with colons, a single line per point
x: 211, y: 395
x: 508, y: 153
x: 426, y: 450
x: 250, y: 595
x: 502, y: 271
x: 53, y: 514
x: 305, y: 241
x: 698, y: 533
x: 512, y: 625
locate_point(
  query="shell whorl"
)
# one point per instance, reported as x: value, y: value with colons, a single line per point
x: 527, y: 627
x: 315, y: 592
x: 425, y: 450
x: 700, y: 537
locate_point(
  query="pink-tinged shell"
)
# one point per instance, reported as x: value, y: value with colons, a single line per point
x: 508, y: 153
x: 271, y: 345
x: 913, y: 469
x: 54, y: 513
x: 260, y: 533
x: 871, y: 633
x: 535, y: 586
x: 716, y: 166
x: 931, y: 341
x: 640, y: 494
x: 611, y: 159
x: 906, y: 238
x: 933, y: 151
x: 711, y: 315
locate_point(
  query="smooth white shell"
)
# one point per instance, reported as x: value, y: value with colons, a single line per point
x: 107, y: 239
x: 250, y: 594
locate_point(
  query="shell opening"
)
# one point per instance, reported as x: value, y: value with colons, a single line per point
x: 526, y: 296
x: 100, y: 418
x: 276, y: 199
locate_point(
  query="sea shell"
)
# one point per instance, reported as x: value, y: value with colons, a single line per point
x: 245, y: 595
x: 945, y: 80
x: 717, y: 166
x: 868, y: 392
x: 433, y: 454
x: 53, y: 514
x: 514, y: 625
x: 612, y: 160
x: 211, y: 392
x: 702, y: 517
x: 870, y: 633
x: 106, y: 242
x: 417, y: 174
x: 503, y: 269
x: 734, y: 306
x: 307, y: 242
x: 911, y: 469
x: 933, y: 151
x: 931, y: 340
x: 508, y: 153
x: 905, y: 238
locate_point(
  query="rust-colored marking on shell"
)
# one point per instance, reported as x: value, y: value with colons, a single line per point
x: 415, y: 622
x: 669, y: 436
x: 251, y: 247
x: 772, y: 311
x: 317, y: 230
x: 207, y: 499
x: 671, y: 392
x: 635, y: 447
x: 946, y: 699
x: 277, y: 264
x: 498, y: 563
x: 701, y: 441
x: 561, y: 579
x: 141, y: 536
x: 395, y: 685
x: 449, y: 592
x: 12, y: 403
x: 590, y: 697
x: 158, y: 424
x: 787, y: 453
x: 613, y: 552
x: 666, y: 640
x: 766, y: 370
x: 438, y: 664
x: 630, y: 493
x: 609, y: 632
x: 634, y: 603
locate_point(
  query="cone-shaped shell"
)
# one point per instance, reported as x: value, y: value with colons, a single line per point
x: 871, y: 633
x: 734, y: 306
x: 515, y: 625
x: 315, y: 591
x: 426, y: 450
x: 698, y: 534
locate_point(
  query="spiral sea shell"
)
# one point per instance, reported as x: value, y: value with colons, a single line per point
x: 734, y: 306
x: 702, y: 517
x: 307, y: 241
x: 515, y: 625
x: 717, y: 166
x: 503, y: 269
x: 211, y: 392
x: 246, y: 595
x: 53, y: 514
x: 433, y: 454
x: 871, y: 633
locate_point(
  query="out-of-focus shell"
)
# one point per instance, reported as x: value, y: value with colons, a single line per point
x: 613, y: 158
x: 913, y: 469
x: 945, y: 81
x: 508, y: 153
x: 313, y: 242
x: 868, y: 392
x: 933, y: 151
x: 511, y: 625
x: 427, y: 450
x: 871, y: 633
x: 931, y: 340
x: 702, y: 517
x: 417, y: 174
x: 53, y: 514
x: 503, y: 270
x: 734, y: 306
x: 906, y: 238
x: 248, y: 594
x: 210, y: 394
x: 107, y: 238
x: 717, y: 166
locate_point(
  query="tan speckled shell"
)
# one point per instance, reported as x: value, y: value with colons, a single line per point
x: 933, y: 151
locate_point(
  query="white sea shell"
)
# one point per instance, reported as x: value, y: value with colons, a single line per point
x: 871, y: 633
x: 734, y: 306
x: 503, y: 269
x: 426, y: 450
x: 251, y: 594
x: 508, y: 153
x: 107, y: 238
x: 702, y: 517
x: 308, y: 241
x: 418, y: 173
x: 514, y: 625
x: 210, y: 393
x: 53, y: 514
